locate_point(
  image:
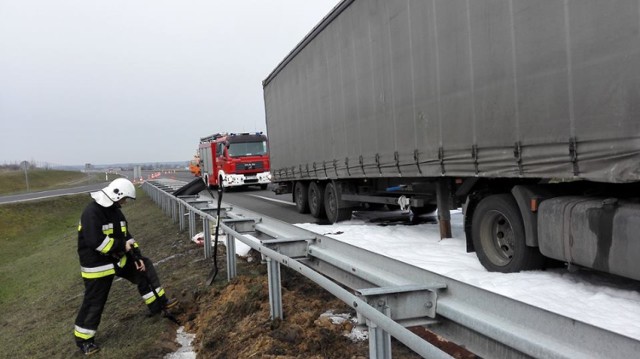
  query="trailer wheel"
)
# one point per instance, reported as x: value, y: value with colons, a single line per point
x: 498, y: 236
x: 300, y: 192
x: 316, y: 199
x: 332, y: 205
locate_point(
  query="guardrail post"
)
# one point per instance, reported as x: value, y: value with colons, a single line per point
x: 238, y: 225
x: 206, y: 230
x: 167, y: 205
x: 165, y: 202
x: 181, y: 215
x: 192, y: 223
x: 379, y: 340
x: 275, y: 289
x: 174, y: 211
x: 231, y: 257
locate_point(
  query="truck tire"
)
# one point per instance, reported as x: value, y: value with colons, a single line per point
x: 498, y: 236
x: 332, y: 205
x: 316, y: 199
x: 300, y: 193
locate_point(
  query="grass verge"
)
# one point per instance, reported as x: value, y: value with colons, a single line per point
x: 41, y: 288
x: 12, y: 182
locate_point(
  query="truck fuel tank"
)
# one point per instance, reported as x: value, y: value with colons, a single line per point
x: 599, y: 233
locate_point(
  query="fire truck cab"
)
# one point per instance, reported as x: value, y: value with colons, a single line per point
x: 235, y: 159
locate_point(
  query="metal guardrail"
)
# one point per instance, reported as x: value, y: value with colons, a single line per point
x: 380, y: 325
x: 391, y: 294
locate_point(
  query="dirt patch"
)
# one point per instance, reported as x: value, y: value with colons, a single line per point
x: 232, y: 320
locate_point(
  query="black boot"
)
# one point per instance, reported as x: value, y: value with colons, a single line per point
x: 88, y: 347
x: 163, y: 304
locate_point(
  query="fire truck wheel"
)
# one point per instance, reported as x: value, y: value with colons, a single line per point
x: 316, y: 199
x: 300, y: 192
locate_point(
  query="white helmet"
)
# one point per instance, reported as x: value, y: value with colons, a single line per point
x: 116, y: 190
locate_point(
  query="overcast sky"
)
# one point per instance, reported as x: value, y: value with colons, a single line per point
x: 88, y: 81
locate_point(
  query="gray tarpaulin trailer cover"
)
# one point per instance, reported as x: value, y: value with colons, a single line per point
x: 525, y: 111
x: 487, y: 88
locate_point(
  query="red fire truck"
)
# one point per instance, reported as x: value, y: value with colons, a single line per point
x: 234, y: 159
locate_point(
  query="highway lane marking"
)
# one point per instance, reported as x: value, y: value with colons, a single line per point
x: 52, y: 193
x: 273, y: 199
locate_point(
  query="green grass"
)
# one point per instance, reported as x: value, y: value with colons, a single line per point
x: 38, y: 272
x: 12, y: 181
x: 41, y: 234
x: 41, y: 289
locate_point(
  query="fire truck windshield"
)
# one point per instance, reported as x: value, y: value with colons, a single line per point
x: 239, y: 149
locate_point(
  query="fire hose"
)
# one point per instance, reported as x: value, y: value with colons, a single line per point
x: 214, y: 270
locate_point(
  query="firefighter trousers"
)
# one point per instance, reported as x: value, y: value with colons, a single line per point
x: 97, y: 291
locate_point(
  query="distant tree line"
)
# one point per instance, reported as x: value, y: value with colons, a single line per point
x: 14, y: 166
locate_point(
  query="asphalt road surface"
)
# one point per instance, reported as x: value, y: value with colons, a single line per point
x: 252, y: 198
x: 266, y: 202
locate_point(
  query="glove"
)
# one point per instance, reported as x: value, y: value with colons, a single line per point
x: 129, y: 244
x: 140, y: 265
x: 136, y: 255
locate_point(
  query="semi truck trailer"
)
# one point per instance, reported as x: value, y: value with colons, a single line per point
x: 524, y: 113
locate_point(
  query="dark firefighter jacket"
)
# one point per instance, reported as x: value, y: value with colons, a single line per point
x: 102, y: 235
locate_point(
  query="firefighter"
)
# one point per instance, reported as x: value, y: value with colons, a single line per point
x: 106, y: 248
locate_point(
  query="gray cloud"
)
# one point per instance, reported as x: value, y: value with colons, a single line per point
x: 137, y: 81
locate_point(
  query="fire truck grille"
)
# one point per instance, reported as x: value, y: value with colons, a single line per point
x: 251, y: 166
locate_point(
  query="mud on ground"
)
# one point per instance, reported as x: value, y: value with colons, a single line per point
x: 232, y: 320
